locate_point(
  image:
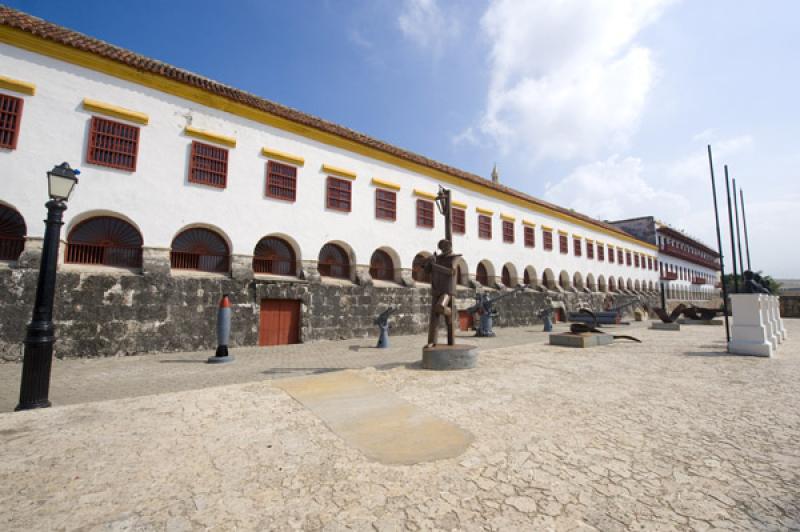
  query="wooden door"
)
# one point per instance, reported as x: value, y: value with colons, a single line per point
x: 464, y: 320
x: 279, y: 322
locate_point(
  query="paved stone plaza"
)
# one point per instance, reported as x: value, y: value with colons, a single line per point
x: 668, y: 434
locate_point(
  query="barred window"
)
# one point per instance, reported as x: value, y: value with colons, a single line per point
x: 339, y: 194
x: 636, y: 260
x: 576, y: 245
x: 628, y: 258
x: 589, y: 250
x: 530, y: 238
x: 113, y: 144
x: 547, y: 240
x: 610, y: 254
x: 601, y: 252
x: 459, y: 221
x: 484, y: 226
x: 385, y: 204
x: 508, y: 232
x: 424, y: 213
x: 281, y: 181
x: 620, y: 257
x: 563, y: 243
x: 208, y: 165
x: 10, y: 116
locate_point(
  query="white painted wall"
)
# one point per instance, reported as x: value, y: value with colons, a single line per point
x: 161, y: 202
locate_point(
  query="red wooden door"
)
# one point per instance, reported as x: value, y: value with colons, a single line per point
x: 464, y: 320
x: 279, y: 322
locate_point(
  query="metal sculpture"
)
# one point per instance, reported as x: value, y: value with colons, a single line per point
x: 754, y: 283
x: 484, y: 306
x: 382, y: 321
x: 669, y: 318
x: 441, y: 267
x: 546, y: 315
x: 223, y: 332
x: 701, y: 313
x: 583, y: 328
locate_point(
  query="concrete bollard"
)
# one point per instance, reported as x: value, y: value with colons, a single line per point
x: 223, y: 332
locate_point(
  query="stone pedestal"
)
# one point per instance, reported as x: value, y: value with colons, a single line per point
x: 449, y: 357
x: 580, y: 340
x: 715, y: 321
x: 661, y: 326
x: 750, y: 334
x: 781, y: 325
x: 775, y: 318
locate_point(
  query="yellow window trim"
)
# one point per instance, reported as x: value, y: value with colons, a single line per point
x: 385, y: 184
x: 328, y: 169
x: 546, y: 228
x: 565, y: 233
x: 528, y: 223
x: 17, y: 85
x: 487, y: 212
x: 459, y: 204
x: 93, y: 61
x: 283, y: 156
x: 589, y: 240
x: 576, y: 235
x: 507, y: 217
x: 210, y: 136
x: 117, y: 112
x: 423, y: 194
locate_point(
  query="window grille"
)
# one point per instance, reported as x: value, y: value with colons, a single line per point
x: 200, y: 249
x: 274, y: 255
x: 530, y: 237
x: 208, y: 165
x: 333, y: 261
x: 385, y: 204
x: 563, y: 244
x: 459, y: 221
x: 12, y: 233
x: 508, y: 231
x: 10, y: 116
x: 281, y: 181
x: 481, y: 275
x: 424, y: 213
x: 381, y: 266
x: 484, y: 226
x: 576, y: 245
x: 418, y: 272
x: 339, y: 196
x: 547, y: 240
x: 113, y: 144
x: 601, y: 252
x: 506, y: 276
x: 589, y: 250
x: 105, y: 240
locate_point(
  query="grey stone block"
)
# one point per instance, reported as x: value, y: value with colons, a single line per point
x: 580, y: 340
x: 449, y: 357
x: 661, y: 326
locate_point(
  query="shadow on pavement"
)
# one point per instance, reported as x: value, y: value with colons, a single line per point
x: 299, y: 371
x: 181, y: 361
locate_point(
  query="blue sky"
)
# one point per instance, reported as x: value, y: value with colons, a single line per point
x: 602, y: 106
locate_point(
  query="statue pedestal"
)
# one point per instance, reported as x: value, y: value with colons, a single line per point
x: 774, y: 311
x: 750, y: 334
x: 686, y: 321
x: 661, y: 326
x: 777, y: 310
x: 449, y: 357
x: 569, y: 339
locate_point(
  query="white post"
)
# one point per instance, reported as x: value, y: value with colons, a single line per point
x: 750, y: 334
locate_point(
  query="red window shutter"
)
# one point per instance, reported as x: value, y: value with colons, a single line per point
x: 576, y: 245
x: 459, y: 221
x: 601, y: 252
x: 424, y: 213
x: 563, y: 244
x: 281, y: 181
x: 385, y: 204
x: 589, y: 250
x: 113, y: 144
x: 508, y: 231
x: 620, y: 257
x: 610, y: 254
x: 628, y: 258
x: 530, y: 238
x: 10, y: 117
x: 208, y: 165
x: 484, y: 226
x: 547, y: 240
x: 339, y: 196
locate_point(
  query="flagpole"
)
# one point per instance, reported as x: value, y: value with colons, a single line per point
x: 719, y: 247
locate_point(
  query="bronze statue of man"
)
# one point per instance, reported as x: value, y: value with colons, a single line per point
x: 442, y: 269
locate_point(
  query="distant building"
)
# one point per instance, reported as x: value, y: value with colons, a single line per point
x: 688, y: 268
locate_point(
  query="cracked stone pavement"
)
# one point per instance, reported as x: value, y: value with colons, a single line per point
x: 670, y: 434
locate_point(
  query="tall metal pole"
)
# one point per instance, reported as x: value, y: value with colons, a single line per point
x: 719, y: 247
x: 746, y: 239
x: 733, y: 235
x: 35, y: 386
x: 738, y: 234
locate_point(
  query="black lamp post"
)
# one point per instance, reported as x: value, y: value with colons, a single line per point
x: 35, y: 385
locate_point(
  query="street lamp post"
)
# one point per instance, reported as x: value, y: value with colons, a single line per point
x: 38, y: 357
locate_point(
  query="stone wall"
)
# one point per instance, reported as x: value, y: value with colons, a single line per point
x: 790, y: 306
x: 112, y: 313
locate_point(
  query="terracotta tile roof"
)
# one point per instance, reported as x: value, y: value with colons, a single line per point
x: 59, y: 34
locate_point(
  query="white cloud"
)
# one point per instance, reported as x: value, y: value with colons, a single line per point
x: 566, y: 78
x: 425, y: 24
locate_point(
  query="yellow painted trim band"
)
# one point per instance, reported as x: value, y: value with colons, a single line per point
x: 590, y: 240
x: 423, y: 194
x: 528, y: 223
x: 545, y: 228
x: 560, y: 232
x: 21, y: 39
x: 17, y: 85
x: 117, y: 112
x: 283, y: 156
x: 328, y: 169
x: 385, y: 184
x: 487, y: 212
x: 507, y: 217
x: 459, y: 204
x: 210, y: 136
x: 576, y: 235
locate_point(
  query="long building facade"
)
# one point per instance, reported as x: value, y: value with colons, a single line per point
x: 688, y: 269
x: 190, y: 188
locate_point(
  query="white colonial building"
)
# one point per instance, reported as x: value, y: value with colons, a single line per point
x: 175, y: 162
x: 688, y: 269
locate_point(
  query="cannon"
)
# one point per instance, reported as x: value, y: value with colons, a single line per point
x: 382, y: 321
x: 611, y: 316
x: 484, y: 306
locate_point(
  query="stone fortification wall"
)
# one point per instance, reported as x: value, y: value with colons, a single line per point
x: 790, y: 306
x: 111, y: 313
